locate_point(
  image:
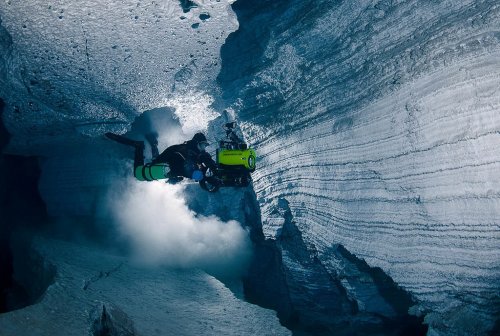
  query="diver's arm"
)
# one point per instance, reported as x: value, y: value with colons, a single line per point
x: 207, y: 160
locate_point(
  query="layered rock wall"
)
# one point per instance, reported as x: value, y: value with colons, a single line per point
x: 379, y: 123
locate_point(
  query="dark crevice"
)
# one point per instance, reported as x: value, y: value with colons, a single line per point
x: 243, y: 55
x: 265, y: 283
x: 187, y: 5
x: 31, y: 275
x: 6, y: 266
x: 248, y: 39
x: 496, y: 328
x: 395, y: 296
x: 310, y: 299
x: 24, y: 274
x: 399, y: 299
x: 4, y: 134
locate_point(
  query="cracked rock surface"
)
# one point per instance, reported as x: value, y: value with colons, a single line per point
x: 137, y: 301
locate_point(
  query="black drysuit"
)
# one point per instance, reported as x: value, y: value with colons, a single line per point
x: 183, y: 159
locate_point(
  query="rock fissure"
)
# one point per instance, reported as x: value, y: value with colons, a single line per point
x: 110, y: 320
x: 100, y: 275
x: 340, y: 293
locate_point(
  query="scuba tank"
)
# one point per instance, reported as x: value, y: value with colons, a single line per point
x: 235, y: 161
x: 160, y: 171
x: 151, y: 172
x: 233, y: 152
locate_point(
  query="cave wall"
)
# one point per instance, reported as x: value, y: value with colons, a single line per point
x: 69, y: 71
x: 378, y: 122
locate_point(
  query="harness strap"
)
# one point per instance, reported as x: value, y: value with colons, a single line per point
x: 180, y: 154
x: 144, y: 176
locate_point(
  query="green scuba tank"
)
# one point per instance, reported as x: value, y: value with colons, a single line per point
x: 151, y: 172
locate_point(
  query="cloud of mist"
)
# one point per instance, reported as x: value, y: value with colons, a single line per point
x: 163, y: 230
x: 193, y: 110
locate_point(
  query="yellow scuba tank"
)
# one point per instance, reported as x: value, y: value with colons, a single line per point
x: 237, y: 157
x: 233, y: 153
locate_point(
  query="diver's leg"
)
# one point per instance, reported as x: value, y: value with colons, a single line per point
x: 138, y: 145
x: 163, y: 157
x: 153, y: 142
x: 139, y: 154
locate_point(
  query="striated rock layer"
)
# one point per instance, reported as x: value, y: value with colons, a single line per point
x: 378, y: 122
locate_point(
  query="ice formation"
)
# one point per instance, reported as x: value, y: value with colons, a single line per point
x: 379, y: 123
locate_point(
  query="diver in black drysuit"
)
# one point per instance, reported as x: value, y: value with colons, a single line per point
x: 188, y: 159
x: 183, y: 159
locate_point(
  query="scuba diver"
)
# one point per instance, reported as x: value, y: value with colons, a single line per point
x: 232, y: 168
x: 185, y: 159
x: 175, y: 162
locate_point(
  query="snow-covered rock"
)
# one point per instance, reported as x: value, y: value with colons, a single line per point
x: 95, y: 291
x: 83, y: 68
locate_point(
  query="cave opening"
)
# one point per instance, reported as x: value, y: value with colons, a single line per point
x: 25, y: 275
